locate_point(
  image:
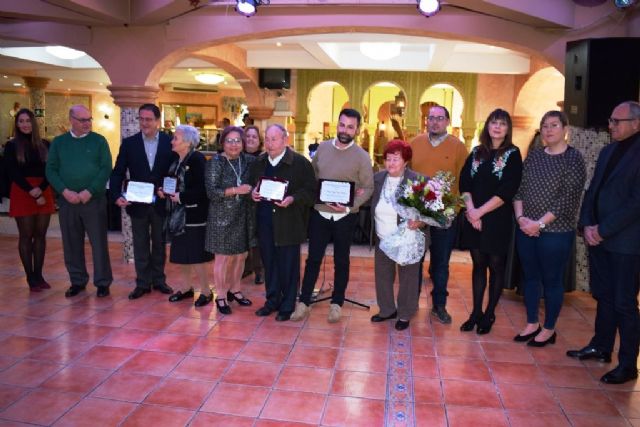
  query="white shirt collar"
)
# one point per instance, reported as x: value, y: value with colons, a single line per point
x: 335, y: 141
x: 274, y: 162
x: 77, y: 136
x: 438, y: 140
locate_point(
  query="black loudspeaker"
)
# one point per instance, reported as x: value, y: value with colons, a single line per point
x: 600, y: 74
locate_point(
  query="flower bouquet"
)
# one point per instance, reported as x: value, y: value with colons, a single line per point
x: 429, y: 200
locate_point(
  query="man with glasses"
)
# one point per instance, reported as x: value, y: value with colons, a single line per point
x: 434, y: 151
x: 146, y: 157
x: 610, y: 219
x: 78, y: 168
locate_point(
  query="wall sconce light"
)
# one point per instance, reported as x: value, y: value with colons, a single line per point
x: 400, y: 103
x: 428, y: 7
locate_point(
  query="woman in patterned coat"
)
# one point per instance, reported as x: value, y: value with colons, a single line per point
x: 231, y: 223
x: 489, y: 179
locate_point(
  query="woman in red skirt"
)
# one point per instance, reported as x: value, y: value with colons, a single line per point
x: 31, y: 197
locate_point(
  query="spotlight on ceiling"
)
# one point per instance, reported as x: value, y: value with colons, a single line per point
x: 249, y: 7
x: 623, y: 4
x: 428, y: 7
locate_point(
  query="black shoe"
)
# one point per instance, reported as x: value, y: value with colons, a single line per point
x: 283, y: 317
x: 179, y: 296
x: 103, y: 291
x: 440, y: 313
x: 550, y: 340
x: 258, y: 280
x: 525, y: 338
x: 203, y: 300
x: 164, y: 288
x: 377, y: 318
x: 470, y: 323
x: 239, y: 298
x: 138, y: 292
x: 485, y: 324
x: 73, y: 291
x: 265, y: 311
x: 401, y: 325
x: 620, y: 375
x: 221, y: 305
x: 590, y: 352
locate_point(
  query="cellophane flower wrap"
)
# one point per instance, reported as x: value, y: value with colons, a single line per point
x: 429, y: 200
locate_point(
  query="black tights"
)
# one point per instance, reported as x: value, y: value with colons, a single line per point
x: 496, y: 266
x: 32, y: 242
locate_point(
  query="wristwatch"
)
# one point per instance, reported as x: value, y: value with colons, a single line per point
x: 542, y: 225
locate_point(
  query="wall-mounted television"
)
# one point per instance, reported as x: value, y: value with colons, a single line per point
x: 274, y: 78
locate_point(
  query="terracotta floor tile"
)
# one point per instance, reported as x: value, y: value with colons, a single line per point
x: 231, y: 330
x: 463, y: 349
x: 427, y: 390
x: 268, y: 332
x: 97, y: 412
x: 596, y: 421
x: 366, y: 341
x: 207, y: 419
x: 151, y: 322
x: 158, y: 416
x: 471, y: 393
x: 9, y: 394
x: 105, y: 357
x: 191, y: 326
x: 353, y: 412
x: 359, y: 384
x: 88, y: 333
x: 507, y: 352
x: 320, y: 337
x: 16, y: 346
x: 584, y: 401
x: 279, y: 423
x: 47, y: 329
x: 465, y: 369
x: 531, y: 398
x: 186, y: 394
x: 127, y: 387
x: 28, y: 373
x: 252, y: 373
x: 152, y: 363
x: 537, y: 419
x: 320, y: 357
x: 428, y: 415
x: 6, y: 361
x: 218, y: 347
x: 424, y: 366
x: 51, y: 405
x: 301, y: 378
x: 200, y: 368
x: 279, y: 404
x: 460, y: 416
x: 76, y: 379
x: 423, y: 346
x: 362, y: 360
x: 73, y: 314
x: 236, y: 399
x: 628, y: 403
x: 516, y: 373
x: 111, y: 318
x: 171, y: 343
x: 265, y: 352
x: 128, y: 338
x: 568, y: 376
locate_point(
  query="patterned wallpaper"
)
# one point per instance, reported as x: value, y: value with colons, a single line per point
x: 7, y: 99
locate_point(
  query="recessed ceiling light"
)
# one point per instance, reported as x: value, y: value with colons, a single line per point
x: 279, y: 44
x: 60, y: 80
x: 64, y: 52
x: 17, y: 84
x: 6, y: 77
x: 380, y: 51
x: 101, y: 84
x: 189, y: 69
x: 209, y: 78
x: 69, y: 89
x: 225, y: 82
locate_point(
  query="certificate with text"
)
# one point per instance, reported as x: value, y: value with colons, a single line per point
x: 272, y: 189
x: 140, y: 192
x: 341, y: 192
x: 169, y: 184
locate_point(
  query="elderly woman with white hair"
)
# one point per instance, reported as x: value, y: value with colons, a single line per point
x: 187, y: 219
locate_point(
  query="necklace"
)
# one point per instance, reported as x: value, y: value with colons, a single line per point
x: 389, y: 188
x: 237, y: 173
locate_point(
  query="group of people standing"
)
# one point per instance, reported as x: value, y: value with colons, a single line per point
x: 216, y: 212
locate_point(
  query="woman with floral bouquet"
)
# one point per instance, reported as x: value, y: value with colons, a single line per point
x: 488, y: 182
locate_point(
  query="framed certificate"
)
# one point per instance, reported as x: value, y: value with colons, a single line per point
x: 169, y: 185
x: 341, y: 192
x: 272, y: 189
x: 139, y: 192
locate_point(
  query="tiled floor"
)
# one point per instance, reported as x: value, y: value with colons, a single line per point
x: 100, y: 362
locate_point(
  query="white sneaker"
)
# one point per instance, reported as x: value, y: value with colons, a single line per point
x: 301, y: 312
x: 335, y: 312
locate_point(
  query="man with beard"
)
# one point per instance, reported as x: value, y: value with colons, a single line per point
x: 338, y: 159
x: 610, y: 219
x: 436, y: 151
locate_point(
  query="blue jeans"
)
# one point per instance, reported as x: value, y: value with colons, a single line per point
x: 442, y: 240
x: 543, y: 261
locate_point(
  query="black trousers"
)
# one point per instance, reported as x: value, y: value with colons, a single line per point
x: 615, y: 280
x: 148, y: 249
x: 321, y: 232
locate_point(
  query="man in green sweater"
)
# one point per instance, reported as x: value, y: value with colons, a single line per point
x: 78, y: 168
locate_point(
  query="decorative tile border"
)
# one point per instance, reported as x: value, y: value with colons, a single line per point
x: 399, y: 410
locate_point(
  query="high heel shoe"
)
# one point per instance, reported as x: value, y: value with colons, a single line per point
x: 239, y: 298
x: 525, y: 338
x: 203, y: 300
x: 485, y: 324
x: 179, y: 296
x: 470, y: 323
x: 550, y: 340
x: 222, y: 306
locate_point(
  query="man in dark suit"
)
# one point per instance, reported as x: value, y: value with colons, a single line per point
x: 146, y: 156
x: 610, y: 217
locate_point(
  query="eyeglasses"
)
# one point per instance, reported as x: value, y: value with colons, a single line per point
x: 233, y: 141
x: 436, y: 118
x: 615, y: 122
x: 146, y: 119
x: 87, y: 120
x: 552, y: 126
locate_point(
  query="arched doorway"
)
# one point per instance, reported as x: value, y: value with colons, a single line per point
x: 384, y: 104
x: 325, y: 101
x: 448, y: 96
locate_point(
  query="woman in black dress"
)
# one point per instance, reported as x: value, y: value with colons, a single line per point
x: 488, y: 182
x: 187, y: 243
x: 31, y: 197
x: 253, y: 263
